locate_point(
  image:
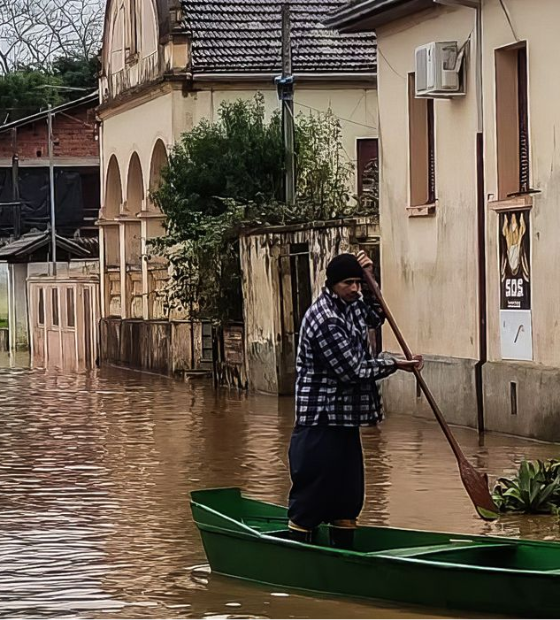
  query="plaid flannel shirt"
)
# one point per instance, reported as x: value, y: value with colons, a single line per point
x: 336, y: 369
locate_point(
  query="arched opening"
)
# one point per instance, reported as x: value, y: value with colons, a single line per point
x: 134, y: 186
x: 133, y: 237
x: 159, y: 161
x: 111, y: 237
x: 113, y: 190
x: 149, y: 29
x: 117, y: 48
x: 157, y: 265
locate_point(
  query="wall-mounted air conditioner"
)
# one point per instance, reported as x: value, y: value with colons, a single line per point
x: 438, y: 70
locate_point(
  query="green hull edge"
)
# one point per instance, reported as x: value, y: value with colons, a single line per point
x: 242, y: 538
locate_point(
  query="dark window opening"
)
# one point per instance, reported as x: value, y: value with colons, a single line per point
x: 207, y: 343
x: 54, y: 299
x: 368, y: 174
x: 70, y: 316
x: 513, y: 397
x: 301, y: 283
x: 41, y: 307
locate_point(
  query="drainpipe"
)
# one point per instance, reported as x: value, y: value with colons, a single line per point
x: 480, y: 209
x: 481, y: 227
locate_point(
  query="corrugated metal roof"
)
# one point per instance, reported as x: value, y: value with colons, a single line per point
x: 31, y: 243
x: 245, y: 36
x: 91, y: 98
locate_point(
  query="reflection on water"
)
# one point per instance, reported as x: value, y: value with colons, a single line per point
x: 95, y: 477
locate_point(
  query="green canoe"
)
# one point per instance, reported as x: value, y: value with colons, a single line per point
x: 247, y: 539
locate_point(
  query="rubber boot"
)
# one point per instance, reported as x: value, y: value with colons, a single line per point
x: 342, y: 538
x: 341, y: 534
x: 300, y: 534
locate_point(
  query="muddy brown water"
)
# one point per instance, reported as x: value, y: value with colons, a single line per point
x: 95, y: 475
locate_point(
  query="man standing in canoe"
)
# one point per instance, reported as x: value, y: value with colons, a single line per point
x: 336, y: 394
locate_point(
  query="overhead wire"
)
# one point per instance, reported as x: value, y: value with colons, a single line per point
x: 348, y: 157
x: 340, y: 118
x: 509, y: 20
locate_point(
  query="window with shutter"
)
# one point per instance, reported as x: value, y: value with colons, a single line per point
x: 512, y: 122
x: 422, y: 152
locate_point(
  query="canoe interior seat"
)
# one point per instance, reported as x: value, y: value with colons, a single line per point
x: 435, y: 550
x: 510, y: 556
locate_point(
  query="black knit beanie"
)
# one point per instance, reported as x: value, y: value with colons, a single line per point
x: 343, y: 267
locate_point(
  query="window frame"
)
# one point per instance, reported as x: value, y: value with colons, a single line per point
x: 513, y: 141
x: 421, y: 148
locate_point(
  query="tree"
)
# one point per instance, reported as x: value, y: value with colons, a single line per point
x: 28, y: 91
x: 75, y: 72
x: 223, y: 177
x: 22, y: 93
x: 34, y: 33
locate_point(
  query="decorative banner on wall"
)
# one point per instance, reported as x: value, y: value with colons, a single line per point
x: 515, y: 285
x: 515, y: 261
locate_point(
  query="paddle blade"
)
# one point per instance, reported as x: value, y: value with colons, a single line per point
x: 476, y: 485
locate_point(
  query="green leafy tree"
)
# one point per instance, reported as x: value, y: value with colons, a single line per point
x: 77, y: 72
x: 28, y: 91
x: 23, y: 93
x: 226, y: 176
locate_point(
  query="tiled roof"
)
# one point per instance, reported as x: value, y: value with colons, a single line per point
x: 244, y: 36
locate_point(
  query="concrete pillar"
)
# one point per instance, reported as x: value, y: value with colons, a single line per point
x: 145, y: 274
x: 102, y: 270
x: 125, y: 296
x: 17, y: 307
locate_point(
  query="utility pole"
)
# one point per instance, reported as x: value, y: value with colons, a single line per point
x: 285, y: 86
x: 52, y: 192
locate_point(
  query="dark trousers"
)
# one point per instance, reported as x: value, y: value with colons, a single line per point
x: 327, y: 471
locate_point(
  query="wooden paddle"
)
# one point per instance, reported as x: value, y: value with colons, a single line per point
x: 475, y: 482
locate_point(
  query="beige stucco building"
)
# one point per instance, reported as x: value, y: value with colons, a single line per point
x: 166, y: 66
x: 468, y: 202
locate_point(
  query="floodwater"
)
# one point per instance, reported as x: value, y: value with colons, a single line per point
x: 95, y: 475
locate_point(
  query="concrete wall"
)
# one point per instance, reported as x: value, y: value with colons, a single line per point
x: 163, y: 347
x: 429, y: 268
x: 538, y: 394
x: 431, y: 257
x: 262, y: 299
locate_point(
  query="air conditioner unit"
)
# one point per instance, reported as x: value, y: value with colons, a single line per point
x: 438, y: 69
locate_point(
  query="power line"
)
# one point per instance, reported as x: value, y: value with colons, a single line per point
x: 350, y: 159
x: 508, y: 17
x: 389, y: 64
x: 340, y: 118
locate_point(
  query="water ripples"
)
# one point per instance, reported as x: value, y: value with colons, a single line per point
x: 95, y: 476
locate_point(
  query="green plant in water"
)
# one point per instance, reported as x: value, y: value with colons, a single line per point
x: 535, y: 489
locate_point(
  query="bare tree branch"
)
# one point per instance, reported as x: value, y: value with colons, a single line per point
x: 36, y: 32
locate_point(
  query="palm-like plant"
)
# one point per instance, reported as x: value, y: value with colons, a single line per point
x: 534, y: 490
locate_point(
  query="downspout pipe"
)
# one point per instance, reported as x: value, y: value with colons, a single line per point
x: 481, y: 228
x: 480, y: 211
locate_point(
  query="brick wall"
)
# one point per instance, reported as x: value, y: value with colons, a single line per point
x: 72, y: 138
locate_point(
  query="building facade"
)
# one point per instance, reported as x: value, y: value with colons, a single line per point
x: 468, y: 204
x: 169, y: 65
